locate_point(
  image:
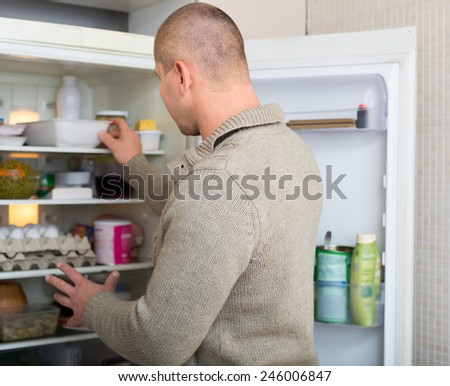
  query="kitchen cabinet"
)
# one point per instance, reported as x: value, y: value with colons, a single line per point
x: 115, y: 71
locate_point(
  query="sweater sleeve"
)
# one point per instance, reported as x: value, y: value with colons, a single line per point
x: 207, y: 244
x: 151, y: 183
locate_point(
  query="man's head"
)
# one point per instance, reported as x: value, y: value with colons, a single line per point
x: 207, y: 39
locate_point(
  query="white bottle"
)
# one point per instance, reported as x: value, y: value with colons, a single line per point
x: 68, y: 99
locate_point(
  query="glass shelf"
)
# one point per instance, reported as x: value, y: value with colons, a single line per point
x: 88, y: 201
x: 8, y: 275
x: 66, y: 150
x: 62, y: 336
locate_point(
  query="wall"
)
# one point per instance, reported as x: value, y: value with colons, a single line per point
x: 266, y: 18
x: 432, y: 242
x: 147, y: 21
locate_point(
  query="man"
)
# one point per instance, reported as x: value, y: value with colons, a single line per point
x: 234, y: 250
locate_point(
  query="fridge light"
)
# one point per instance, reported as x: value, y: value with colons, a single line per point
x: 23, y: 116
x: 23, y: 214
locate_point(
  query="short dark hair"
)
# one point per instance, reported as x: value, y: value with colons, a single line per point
x: 204, y: 35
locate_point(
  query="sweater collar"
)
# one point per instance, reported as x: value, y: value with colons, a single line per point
x: 257, y: 116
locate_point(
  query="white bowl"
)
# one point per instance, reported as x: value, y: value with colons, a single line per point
x: 149, y: 139
x: 72, y: 178
x: 12, y: 129
x: 6, y: 140
x: 65, y: 132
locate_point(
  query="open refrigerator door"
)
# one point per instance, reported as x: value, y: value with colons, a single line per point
x: 354, y: 105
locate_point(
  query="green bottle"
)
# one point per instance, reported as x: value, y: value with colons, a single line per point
x: 365, y: 278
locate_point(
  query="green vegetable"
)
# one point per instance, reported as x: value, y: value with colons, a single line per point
x: 18, y: 180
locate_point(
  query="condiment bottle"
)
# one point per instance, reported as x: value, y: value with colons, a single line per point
x: 362, y: 116
x: 68, y: 99
x: 365, y: 277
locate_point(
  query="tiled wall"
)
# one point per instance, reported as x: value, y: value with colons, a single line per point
x: 432, y: 273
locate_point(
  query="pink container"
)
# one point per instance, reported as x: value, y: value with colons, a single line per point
x: 112, y: 241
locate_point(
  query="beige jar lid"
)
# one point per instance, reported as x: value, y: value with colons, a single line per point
x: 365, y: 238
x: 112, y: 113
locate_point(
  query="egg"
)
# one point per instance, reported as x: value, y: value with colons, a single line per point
x: 51, y: 232
x: 4, y: 230
x: 41, y: 229
x: 32, y: 234
x: 16, y: 233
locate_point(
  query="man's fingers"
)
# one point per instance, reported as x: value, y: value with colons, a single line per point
x: 63, y: 300
x: 74, y: 322
x: 59, y: 284
x: 107, y: 139
x: 70, y: 272
x: 112, y: 280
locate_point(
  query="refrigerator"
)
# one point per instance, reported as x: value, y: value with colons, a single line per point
x: 368, y: 174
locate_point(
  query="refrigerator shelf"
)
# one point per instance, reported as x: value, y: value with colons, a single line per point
x: 347, y: 305
x: 347, y: 325
x: 87, y: 201
x: 62, y: 336
x: 33, y: 273
x: 66, y: 150
x: 346, y: 119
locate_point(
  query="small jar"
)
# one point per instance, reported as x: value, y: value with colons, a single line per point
x: 106, y: 115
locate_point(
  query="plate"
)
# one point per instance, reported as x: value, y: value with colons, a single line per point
x: 9, y: 130
x: 6, y: 140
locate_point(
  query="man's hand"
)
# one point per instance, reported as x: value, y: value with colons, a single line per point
x: 124, y: 143
x: 75, y: 296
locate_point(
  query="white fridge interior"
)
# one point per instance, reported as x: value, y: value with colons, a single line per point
x: 114, y: 71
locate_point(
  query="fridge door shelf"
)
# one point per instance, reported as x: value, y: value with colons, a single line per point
x: 349, y: 305
x: 347, y: 119
x: 327, y: 97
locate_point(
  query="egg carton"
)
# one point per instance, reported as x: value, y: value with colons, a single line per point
x: 27, y: 253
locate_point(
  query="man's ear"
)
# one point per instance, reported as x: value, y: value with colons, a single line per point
x: 184, y: 76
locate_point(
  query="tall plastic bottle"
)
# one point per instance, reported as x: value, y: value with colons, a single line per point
x: 68, y: 99
x: 365, y: 278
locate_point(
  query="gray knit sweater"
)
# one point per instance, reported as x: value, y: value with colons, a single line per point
x: 234, y: 255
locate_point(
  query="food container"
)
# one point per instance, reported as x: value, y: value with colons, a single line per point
x: 65, y: 133
x: 106, y: 115
x: 333, y: 264
x: 11, y: 295
x: 332, y: 276
x: 145, y: 124
x: 112, y: 241
x: 112, y: 186
x: 18, y: 180
x: 72, y: 178
x: 27, y: 322
x: 149, y: 139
